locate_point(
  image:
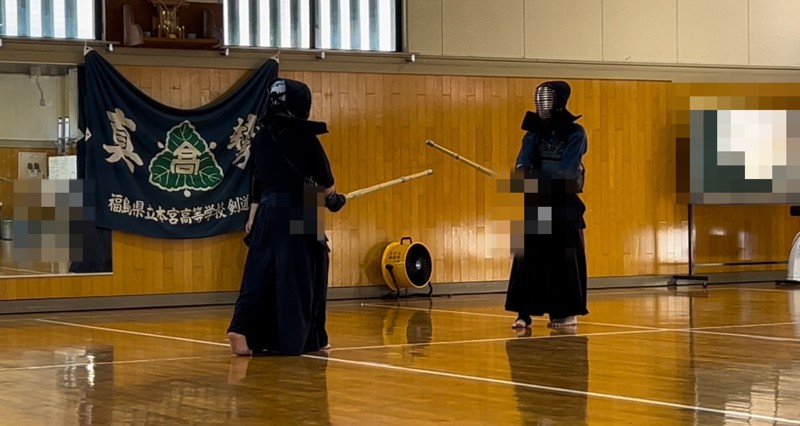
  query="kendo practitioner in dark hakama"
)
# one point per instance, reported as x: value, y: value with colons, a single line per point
x: 282, y: 301
x: 549, y: 275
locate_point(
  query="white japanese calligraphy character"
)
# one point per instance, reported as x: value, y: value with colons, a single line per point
x: 151, y: 214
x: 122, y: 149
x: 126, y: 206
x: 244, y: 203
x: 208, y: 213
x: 115, y: 203
x: 197, y: 214
x: 173, y: 216
x: 160, y: 214
x: 233, y: 206
x: 219, y: 211
x: 186, y: 216
x: 240, y: 139
x: 138, y: 209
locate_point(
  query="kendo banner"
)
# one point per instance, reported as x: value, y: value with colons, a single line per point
x: 165, y: 172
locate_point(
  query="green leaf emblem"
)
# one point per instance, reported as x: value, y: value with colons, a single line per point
x: 186, y: 162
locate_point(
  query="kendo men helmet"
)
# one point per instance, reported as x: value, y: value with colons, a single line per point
x: 544, y: 98
x: 551, y: 97
x: 289, y: 97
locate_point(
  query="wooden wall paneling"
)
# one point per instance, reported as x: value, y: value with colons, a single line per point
x: 378, y: 125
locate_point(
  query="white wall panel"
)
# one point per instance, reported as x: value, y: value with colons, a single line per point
x: 483, y: 28
x: 712, y: 32
x: 424, y: 26
x: 22, y: 118
x: 775, y: 32
x: 704, y: 32
x: 640, y: 31
x: 549, y: 34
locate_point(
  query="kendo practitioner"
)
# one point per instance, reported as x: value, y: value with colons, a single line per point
x: 282, y: 301
x: 549, y: 275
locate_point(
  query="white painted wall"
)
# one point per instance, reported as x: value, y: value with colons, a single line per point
x: 706, y: 32
x: 22, y: 118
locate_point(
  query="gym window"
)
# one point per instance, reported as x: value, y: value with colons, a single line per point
x: 60, y: 19
x: 364, y: 25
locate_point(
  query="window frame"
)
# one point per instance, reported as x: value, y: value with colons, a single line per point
x: 399, y: 32
x: 97, y: 19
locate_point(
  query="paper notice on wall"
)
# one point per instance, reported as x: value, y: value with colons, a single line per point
x: 63, y: 167
x: 32, y: 165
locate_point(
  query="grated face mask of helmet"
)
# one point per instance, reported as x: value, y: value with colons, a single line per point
x: 276, y: 100
x: 544, y: 98
x: 289, y: 97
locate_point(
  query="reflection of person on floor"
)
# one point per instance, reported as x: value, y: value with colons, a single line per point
x: 281, y: 304
x: 270, y: 391
x: 558, y: 362
x: 549, y: 275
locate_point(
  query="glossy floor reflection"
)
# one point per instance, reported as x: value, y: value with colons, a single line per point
x: 691, y: 356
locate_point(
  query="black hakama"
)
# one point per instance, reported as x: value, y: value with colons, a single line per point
x: 282, y: 301
x: 549, y: 275
x: 281, y: 305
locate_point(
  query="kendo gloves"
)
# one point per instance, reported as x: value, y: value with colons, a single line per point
x: 335, y: 202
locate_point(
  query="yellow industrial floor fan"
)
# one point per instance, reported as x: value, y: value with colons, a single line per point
x: 406, y: 265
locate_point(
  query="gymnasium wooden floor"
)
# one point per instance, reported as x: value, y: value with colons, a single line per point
x: 686, y: 356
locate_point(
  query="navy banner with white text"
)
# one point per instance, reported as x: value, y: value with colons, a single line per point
x: 165, y: 172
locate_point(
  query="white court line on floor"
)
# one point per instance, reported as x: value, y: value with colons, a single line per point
x: 683, y: 329
x: 590, y: 295
x: 654, y: 329
x: 610, y: 333
x: 496, y: 339
x: 730, y: 413
x: 123, y: 313
x: 143, y: 311
x: 488, y: 380
x: 752, y: 289
x: 22, y: 317
x: 81, y: 364
x: 716, y: 327
x: 137, y: 333
x: 511, y: 317
x: 438, y: 299
x: 481, y: 296
x: 748, y: 336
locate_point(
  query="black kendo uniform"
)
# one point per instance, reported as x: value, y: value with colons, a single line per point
x: 282, y: 301
x: 549, y: 275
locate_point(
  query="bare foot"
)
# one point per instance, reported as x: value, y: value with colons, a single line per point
x: 563, y: 322
x: 523, y: 321
x: 239, y: 344
x: 519, y: 324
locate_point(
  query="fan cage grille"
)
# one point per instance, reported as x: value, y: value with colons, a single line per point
x: 418, y: 265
